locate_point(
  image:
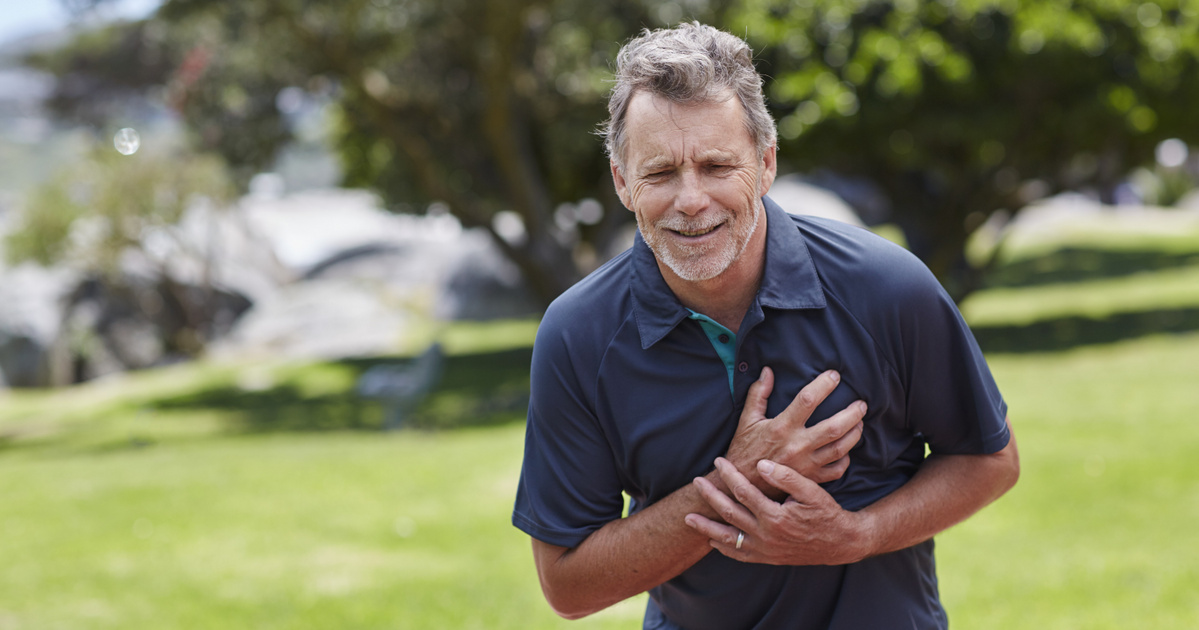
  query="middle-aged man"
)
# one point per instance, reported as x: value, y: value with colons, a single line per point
x: 734, y: 335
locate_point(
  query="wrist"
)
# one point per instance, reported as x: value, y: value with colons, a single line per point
x: 866, y: 535
x: 718, y: 481
x: 862, y: 540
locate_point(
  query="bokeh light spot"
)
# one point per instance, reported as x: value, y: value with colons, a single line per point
x: 1149, y: 15
x: 1172, y: 153
x: 127, y: 141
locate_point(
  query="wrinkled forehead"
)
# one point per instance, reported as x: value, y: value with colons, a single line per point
x: 659, y: 129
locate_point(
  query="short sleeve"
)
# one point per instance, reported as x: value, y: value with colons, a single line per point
x: 952, y: 398
x: 569, y: 485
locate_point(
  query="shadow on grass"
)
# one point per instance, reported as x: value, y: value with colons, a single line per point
x: 1069, y: 332
x: 1077, y: 264
x: 474, y: 389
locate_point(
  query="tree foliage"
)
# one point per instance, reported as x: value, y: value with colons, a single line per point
x: 954, y: 109
x: 487, y: 108
x: 959, y: 108
x: 117, y: 220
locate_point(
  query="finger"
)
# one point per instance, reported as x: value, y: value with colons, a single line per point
x: 727, y: 545
x: 755, y: 402
x: 727, y: 509
x: 814, y: 393
x: 799, y: 488
x: 830, y: 472
x: 746, y: 493
x: 837, y: 425
x: 839, y: 446
x: 717, y: 532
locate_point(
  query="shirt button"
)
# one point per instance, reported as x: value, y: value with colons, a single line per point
x: 743, y: 367
x: 723, y: 338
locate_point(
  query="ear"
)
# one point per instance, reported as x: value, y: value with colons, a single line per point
x: 770, y: 170
x: 622, y: 187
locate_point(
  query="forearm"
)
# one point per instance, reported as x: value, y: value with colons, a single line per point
x: 624, y: 558
x: 947, y: 490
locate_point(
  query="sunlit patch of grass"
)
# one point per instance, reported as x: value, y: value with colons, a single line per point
x: 1164, y: 231
x: 489, y: 336
x: 1099, y: 531
x: 1166, y: 289
x: 285, y: 531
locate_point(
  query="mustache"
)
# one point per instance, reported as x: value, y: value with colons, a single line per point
x: 681, y: 224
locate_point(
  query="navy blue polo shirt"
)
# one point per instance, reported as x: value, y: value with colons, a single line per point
x: 634, y: 393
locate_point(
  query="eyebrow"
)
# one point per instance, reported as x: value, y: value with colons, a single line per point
x: 656, y: 164
x: 716, y: 155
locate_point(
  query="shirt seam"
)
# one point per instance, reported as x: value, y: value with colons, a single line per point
x: 888, y: 359
x: 593, y: 398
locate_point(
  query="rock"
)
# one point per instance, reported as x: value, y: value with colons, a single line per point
x: 321, y: 319
x: 30, y: 322
x: 368, y: 282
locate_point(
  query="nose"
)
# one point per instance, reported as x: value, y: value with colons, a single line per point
x: 692, y: 196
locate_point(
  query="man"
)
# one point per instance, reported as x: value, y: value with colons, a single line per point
x: 726, y: 303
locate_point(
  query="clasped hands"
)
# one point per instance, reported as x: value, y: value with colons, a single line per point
x: 781, y: 458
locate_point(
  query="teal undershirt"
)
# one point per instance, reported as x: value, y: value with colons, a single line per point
x: 724, y: 341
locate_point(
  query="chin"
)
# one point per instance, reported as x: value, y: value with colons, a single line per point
x: 698, y: 270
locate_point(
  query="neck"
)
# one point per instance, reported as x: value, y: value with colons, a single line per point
x: 727, y: 297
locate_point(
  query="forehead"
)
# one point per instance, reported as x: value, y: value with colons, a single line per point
x: 659, y: 129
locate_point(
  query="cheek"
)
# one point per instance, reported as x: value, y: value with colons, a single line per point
x: 740, y: 189
x: 645, y: 199
x: 751, y: 183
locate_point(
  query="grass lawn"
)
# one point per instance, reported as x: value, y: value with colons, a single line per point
x: 1100, y: 531
x: 261, y: 496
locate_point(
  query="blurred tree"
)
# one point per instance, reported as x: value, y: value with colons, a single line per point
x: 485, y: 108
x: 119, y: 221
x: 959, y: 108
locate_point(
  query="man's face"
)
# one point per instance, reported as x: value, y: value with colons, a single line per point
x: 693, y: 178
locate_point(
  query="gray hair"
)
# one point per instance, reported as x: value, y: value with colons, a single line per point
x: 691, y: 63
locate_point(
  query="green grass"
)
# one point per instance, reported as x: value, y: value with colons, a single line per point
x: 263, y: 495
x: 282, y: 531
x: 1099, y: 532
x: 1166, y: 289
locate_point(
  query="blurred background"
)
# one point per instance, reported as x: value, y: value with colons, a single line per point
x: 271, y: 272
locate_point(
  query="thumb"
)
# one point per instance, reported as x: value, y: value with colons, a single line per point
x: 798, y: 487
x: 755, y: 401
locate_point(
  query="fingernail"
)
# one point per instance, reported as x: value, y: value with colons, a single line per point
x: 834, y: 376
x: 689, y: 520
x: 861, y: 404
x: 765, y: 467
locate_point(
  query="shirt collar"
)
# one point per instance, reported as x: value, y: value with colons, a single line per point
x: 788, y: 282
